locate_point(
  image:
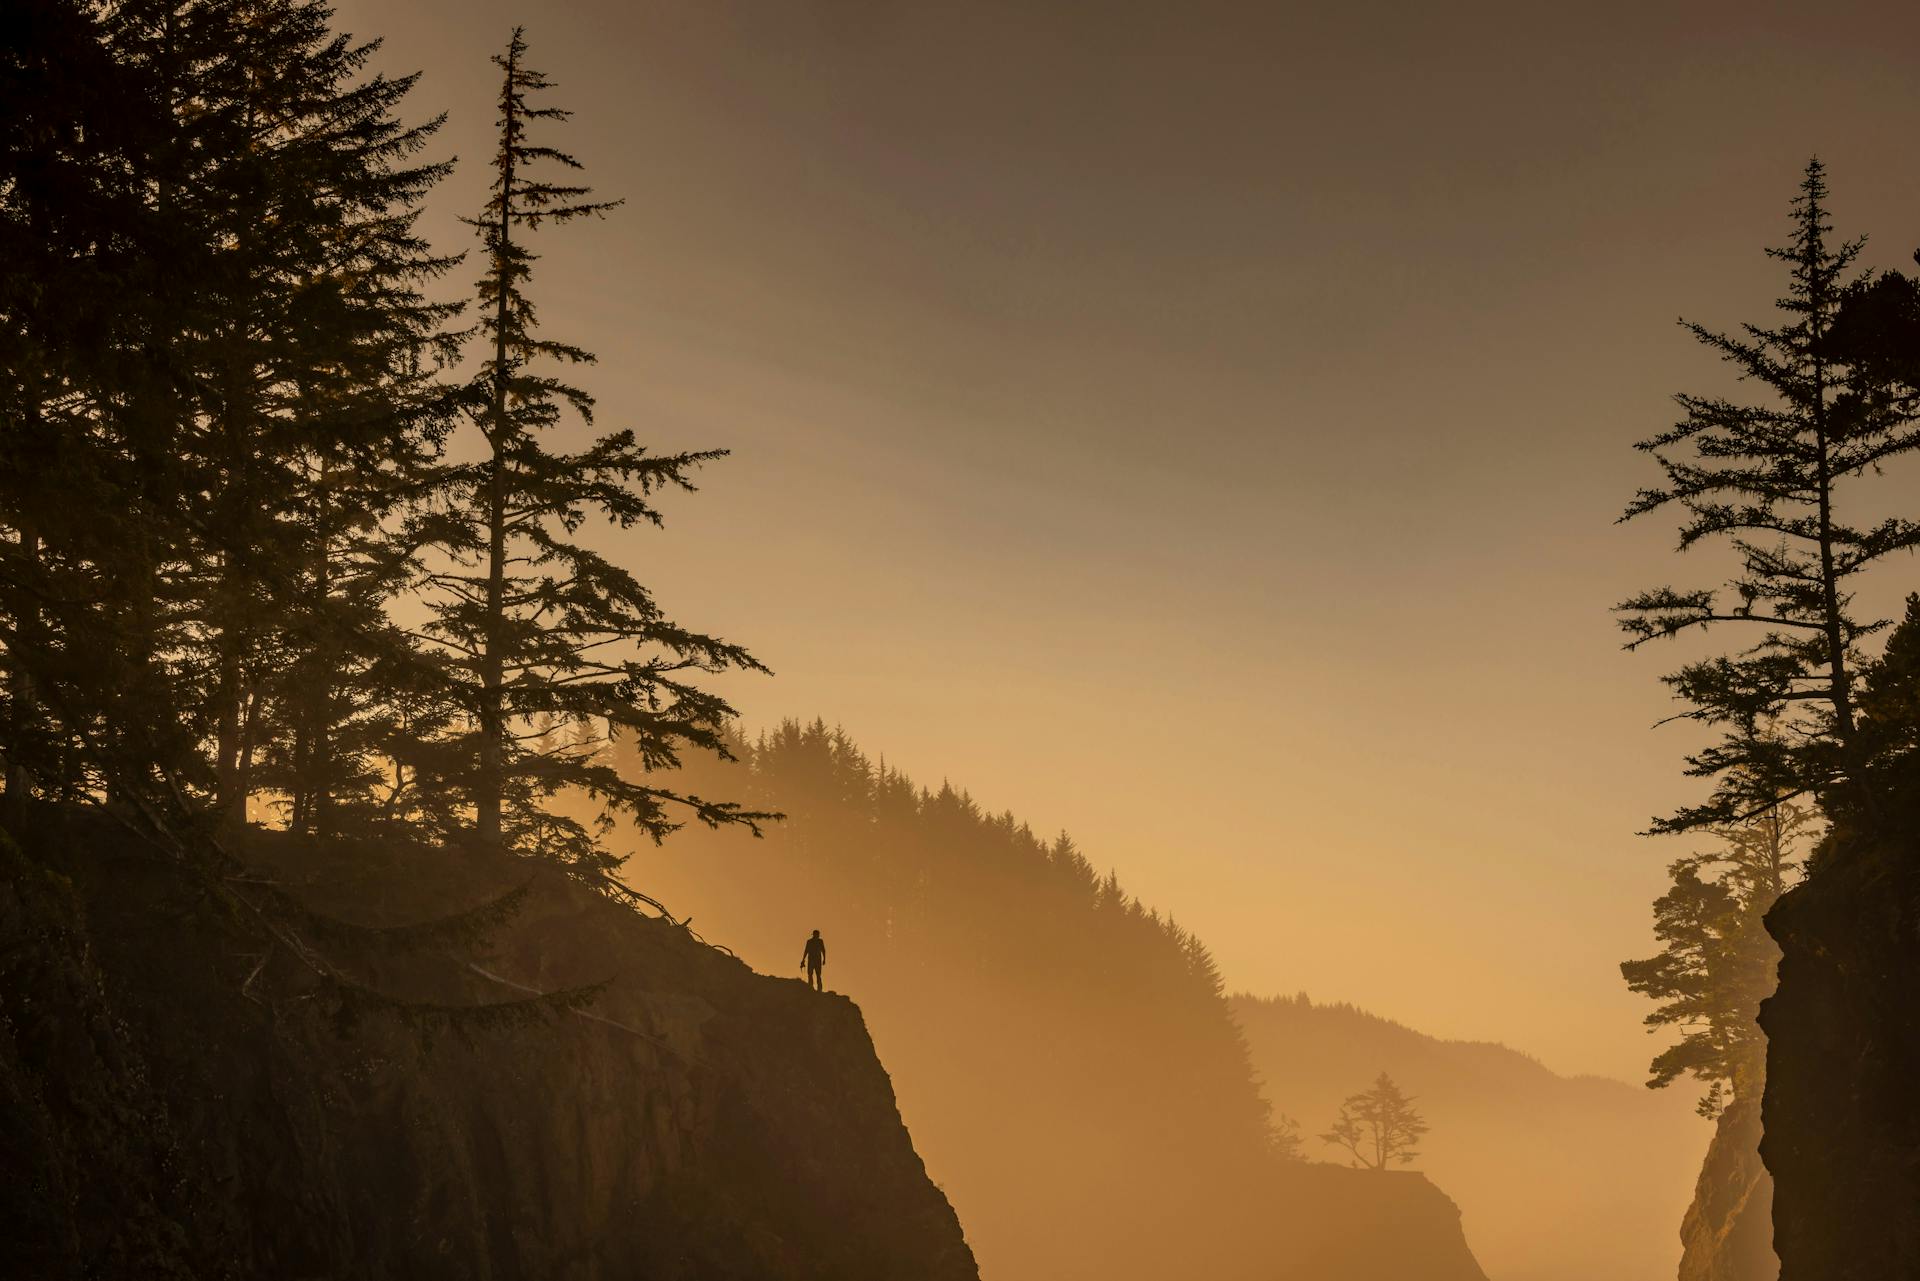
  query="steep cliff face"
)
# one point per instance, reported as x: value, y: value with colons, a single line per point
x: 195, y: 1104
x: 1728, y: 1231
x: 1843, y: 1058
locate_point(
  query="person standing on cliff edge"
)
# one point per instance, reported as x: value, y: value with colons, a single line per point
x: 813, y: 959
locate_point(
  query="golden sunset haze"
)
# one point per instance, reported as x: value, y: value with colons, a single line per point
x: 1201, y: 427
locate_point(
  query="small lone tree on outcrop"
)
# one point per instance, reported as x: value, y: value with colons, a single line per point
x: 1378, y: 1126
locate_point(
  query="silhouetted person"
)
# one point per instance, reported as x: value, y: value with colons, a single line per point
x: 813, y: 959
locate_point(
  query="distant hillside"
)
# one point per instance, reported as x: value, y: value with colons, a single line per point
x: 1559, y: 1178
x: 1063, y: 1055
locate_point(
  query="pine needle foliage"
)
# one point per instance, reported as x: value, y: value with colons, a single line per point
x: 215, y: 416
x: 227, y: 395
x: 320, y: 405
x: 1772, y: 480
x: 1717, y: 962
x: 537, y: 632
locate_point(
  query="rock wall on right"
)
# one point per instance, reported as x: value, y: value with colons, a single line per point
x: 1841, y: 1110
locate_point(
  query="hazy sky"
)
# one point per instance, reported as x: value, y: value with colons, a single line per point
x: 1199, y: 426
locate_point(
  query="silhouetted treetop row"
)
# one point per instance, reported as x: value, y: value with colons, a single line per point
x: 248, y: 428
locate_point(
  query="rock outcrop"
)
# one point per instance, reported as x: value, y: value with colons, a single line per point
x: 1339, y: 1224
x: 178, y: 1098
x: 1843, y: 1059
x: 1727, y: 1234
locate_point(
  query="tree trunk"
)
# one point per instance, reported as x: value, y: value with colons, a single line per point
x: 25, y: 701
x: 1839, y: 686
x: 491, y: 782
x: 311, y: 700
x: 226, y: 778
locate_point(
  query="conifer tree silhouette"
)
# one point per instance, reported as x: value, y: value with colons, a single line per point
x: 529, y: 621
x: 1716, y: 962
x: 229, y: 268
x: 321, y: 403
x: 1379, y: 1126
x: 1770, y: 480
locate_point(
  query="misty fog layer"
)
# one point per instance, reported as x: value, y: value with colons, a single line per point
x: 1071, y: 1069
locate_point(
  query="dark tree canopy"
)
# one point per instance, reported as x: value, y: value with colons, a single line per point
x: 232, y: 460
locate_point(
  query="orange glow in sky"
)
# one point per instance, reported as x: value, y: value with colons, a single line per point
x: 1200, y: 427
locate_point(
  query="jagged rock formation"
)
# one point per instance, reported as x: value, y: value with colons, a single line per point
x: 1843, y: 1059
x: 165, y: 1114
x: 1727, y: 1234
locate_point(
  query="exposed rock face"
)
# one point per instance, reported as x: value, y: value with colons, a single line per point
x: 178, y: 1119
x: 1842, y: 1103
x: 1728, y: 1231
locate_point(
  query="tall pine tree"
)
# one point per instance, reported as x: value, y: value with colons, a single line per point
x: 315, y: 395
x: 1770, y: 480
x: 222, y: 363
x: 99, y: 281
x: 537, y: 631
x: 364, y: 415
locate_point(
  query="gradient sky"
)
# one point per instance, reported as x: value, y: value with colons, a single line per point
x: 1199, y: 426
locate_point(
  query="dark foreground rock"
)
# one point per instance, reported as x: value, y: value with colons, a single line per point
x: 1842, y: 1103
x: 178, y: 1098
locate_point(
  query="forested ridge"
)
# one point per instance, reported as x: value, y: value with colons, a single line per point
x: 1065, y: 1054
